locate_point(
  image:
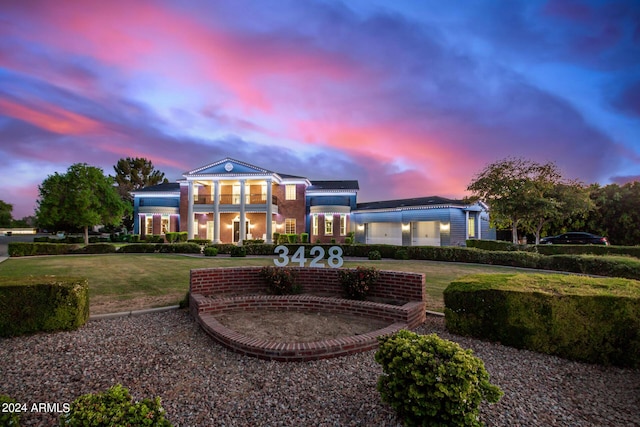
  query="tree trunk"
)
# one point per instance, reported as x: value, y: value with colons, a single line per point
x: 86, y: 234
x: 514, y: 232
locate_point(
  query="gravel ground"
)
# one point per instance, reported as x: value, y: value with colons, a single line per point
x: 203, y: 384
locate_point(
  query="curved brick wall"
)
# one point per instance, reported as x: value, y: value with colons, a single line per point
x: 219, y: 290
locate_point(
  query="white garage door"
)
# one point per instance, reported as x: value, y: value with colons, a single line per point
x: 425, y: 233
x: 384, y: 233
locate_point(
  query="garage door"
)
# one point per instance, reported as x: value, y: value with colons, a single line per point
x: 384, y: 233
x: 425, y: 233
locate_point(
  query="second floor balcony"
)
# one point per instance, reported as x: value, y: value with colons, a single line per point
x: 234, y: 199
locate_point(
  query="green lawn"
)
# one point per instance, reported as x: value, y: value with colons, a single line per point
x: 119, y: 282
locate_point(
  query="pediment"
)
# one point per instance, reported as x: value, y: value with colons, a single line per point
x: 229, y: 167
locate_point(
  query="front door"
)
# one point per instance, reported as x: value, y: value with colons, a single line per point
x: 236, y: 230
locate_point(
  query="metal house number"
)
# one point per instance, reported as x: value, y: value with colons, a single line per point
x: 317, y: 252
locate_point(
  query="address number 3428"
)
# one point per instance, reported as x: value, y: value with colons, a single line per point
x: 317, y: 253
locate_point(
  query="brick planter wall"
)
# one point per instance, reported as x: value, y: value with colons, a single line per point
x: 220, y: 290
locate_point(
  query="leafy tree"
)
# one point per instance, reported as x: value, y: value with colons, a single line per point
x: 133, y: 174
x: 617, y: 212
x: 5, y: 214
x: 558, y: 202
x: 82, y: 197
x: 516, y: 190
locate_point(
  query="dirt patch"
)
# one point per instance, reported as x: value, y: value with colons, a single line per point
x: 293, y: 326
x: 105, y: 305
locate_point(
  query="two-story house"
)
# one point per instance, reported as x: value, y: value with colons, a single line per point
x: 229, y: 201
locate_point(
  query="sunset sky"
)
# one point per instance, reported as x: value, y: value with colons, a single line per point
x: 411, y: 98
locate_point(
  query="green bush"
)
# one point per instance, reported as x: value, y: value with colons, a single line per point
x: 493, y: 245
x: 97, y: 248
x: 292, y: 238
x: 348, y: 240
x: 358, y: 282
x: 304, y: 237
x: 140, y: 248
x: 210, y: 251
x: 180, y: 248
x: 154, y: 238
x: 374, y: 255
x: 280, y: 280
x: 252, y: 242
x: 8, y: 418
x: 114, y: 407
x: 333, y: 241
x: 283, y: 239
x: 18, y: 249
x: 171, y: 236
x: 430, y: 381
x: 135, y: 238
x: 74, y: 239
x: 401, y: 254
x: 238, y: 251
x: 200, y: 241
x: 32, y: 304
x: 276, y: 237
x: 590, y: 319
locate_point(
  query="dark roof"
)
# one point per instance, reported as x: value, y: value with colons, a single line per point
x: 334, y: 185
x: 284, y: 175
x: 418, y: 201
x: 169, y: 186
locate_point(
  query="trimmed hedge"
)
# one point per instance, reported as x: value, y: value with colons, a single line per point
x: 18, y: 249
x: 49, y: 303
x: 175, y: 248
x: 97, y: 248
x: 590, y: 319
x: 497, y: 245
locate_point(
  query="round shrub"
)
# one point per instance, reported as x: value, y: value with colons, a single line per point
x: 430, y: 381
x: 401, y: 254
x: 114, y: 407
x: 374, y: 255
x: 210, y: 251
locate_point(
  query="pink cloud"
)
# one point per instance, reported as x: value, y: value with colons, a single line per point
x: 241, y: 64
x: 50, y: 117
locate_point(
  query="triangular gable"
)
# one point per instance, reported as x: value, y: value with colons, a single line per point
x: 228, y: 166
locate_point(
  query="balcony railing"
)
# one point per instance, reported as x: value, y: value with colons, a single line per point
x: 234, y: 199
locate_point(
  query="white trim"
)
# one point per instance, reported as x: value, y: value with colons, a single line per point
x: 331, y: 209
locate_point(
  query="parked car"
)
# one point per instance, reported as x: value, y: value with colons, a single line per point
x: 574, y: 238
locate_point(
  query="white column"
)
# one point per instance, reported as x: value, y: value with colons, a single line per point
x: 269, y: 236
x: 216, y: 212
x: 243, y: 219
x: 190, y: 212
x: 479, y: 221
x: 466, y: 225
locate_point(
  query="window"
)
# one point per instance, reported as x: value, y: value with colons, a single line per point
x: 263, y: 191
x: 472, y: 226
x: 343, y: 224
x: 290, y: 192
x: 235, y: 194
x: 149, y: 226
x: 328, y: 224
x: 314, y: 224
x: 290, y: 226
x: 165, y: 225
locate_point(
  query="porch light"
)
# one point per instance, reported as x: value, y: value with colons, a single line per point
x: 405, y: 227
x: 444, y: 226
x: 360, y: 227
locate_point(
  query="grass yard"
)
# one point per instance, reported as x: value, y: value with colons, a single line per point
x: 123, y: 282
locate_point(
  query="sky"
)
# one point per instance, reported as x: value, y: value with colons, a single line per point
x: 411, y: 98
